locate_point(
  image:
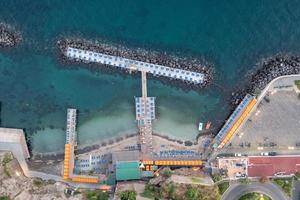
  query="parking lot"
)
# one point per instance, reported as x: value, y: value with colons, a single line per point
x: 274, y: 126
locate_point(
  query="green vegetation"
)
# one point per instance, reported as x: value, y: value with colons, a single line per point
x: 128, y: 195
x: 167, y: 172
x: 38, y: 182
x: 4, y: 198
x: 173, y: 191
x: 297, y: 176
x: 7, y: 158
x: 196, y: 179
x: 192, y: 193
x: 297, y: 83
x: 223, y: 187
x: 254, y: 196
x: 285, y: 184
x: 217, y: 177
x: 150, y: 191
x: 96, y: 195
x: 245, y: 181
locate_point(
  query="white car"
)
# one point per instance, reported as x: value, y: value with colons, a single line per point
x: 264, y: 153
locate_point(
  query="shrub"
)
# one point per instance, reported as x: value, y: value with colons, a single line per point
x: 128, y: 195
x: 245, y: 181
x: 96, y: 195
x: 223, y: 187
x: 285, y: 184
x: 216, y: 177
x: 263, y: 179
x: 192, y: 193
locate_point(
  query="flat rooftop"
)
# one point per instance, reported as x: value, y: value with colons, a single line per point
x: 270, y: 165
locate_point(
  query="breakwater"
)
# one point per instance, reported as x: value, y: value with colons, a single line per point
x: 192, y: 65
x: 268, y: 69
x: 9, y: 37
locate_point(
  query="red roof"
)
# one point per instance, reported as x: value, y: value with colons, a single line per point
x: 270, y: 165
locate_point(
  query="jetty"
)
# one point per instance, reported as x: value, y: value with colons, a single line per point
x: 145, y: 113
x: 71, y: 144
x: 135, y: 65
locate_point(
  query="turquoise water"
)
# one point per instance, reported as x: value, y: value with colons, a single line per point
x: 36, y: 89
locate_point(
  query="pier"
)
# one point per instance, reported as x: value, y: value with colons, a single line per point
x: 134, y: 65
x: 145, y: 113
x: 71, y: 144
x: 234, y: 121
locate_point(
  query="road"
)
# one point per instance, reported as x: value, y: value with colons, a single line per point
x: 296, y: 190
x: 236, y: 190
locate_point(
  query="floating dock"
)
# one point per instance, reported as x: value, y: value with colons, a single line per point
x: 234, y: 121
x: 134, y: 65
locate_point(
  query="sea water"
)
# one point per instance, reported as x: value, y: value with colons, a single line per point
x: 36, y: 88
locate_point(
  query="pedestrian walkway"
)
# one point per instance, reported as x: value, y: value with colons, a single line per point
x: 134, y: 65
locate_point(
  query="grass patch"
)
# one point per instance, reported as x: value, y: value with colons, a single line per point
x: 285, y: 184
x: 4, y: 198
x: 223, y: 187
x: 7, y: 158
x: 297, y: 83
x: 216, y: 177
x: 254, y: 196
x: 196, y: 179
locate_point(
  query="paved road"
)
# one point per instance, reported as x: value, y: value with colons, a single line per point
x: 236, y: 190
x: 296, y: 190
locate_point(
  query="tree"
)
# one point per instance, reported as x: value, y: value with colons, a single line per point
x: 171, y: 190
x: 192, y: 193
x: 263, y: 179
x: 128, y: 195
x: 96, y: 195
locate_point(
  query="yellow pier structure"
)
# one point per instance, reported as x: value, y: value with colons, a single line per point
x: 174, y: 162
x: 71, y: 142
x: 238, y: 122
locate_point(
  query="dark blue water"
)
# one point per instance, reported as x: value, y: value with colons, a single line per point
x: 36, y: 89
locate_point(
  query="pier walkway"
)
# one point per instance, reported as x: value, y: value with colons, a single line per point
x: 145, y: 113
x: 134, y: 65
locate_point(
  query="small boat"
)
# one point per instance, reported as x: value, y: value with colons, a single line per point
x: 200, y: 127
x: 208, y: 125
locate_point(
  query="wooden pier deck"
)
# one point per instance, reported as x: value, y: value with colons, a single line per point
x: 120, y: 62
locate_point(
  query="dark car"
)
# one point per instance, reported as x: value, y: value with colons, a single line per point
x: 272, y: 153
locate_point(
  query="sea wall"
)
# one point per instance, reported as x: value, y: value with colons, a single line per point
x: 268, y: 69
x: 9, y: 37
x: 154, y: 57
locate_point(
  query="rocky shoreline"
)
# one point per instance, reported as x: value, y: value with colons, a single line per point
x: 268, y: 69
x: 9, y: 37
x: 191, y: 64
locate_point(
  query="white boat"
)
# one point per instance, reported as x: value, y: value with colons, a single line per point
x: 200, y: 127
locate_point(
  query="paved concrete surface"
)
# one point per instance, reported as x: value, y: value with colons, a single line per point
x: 274, y: 126
x: 236, y: 190
x: 296, y: 190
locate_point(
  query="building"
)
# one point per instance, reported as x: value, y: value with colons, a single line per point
x: 273, y: 165
x: 128, y: 170
x: 13, y: 140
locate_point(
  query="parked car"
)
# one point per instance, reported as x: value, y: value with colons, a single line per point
x: 264, y: 153
x: 272, y: 153
x: 237, y: 154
